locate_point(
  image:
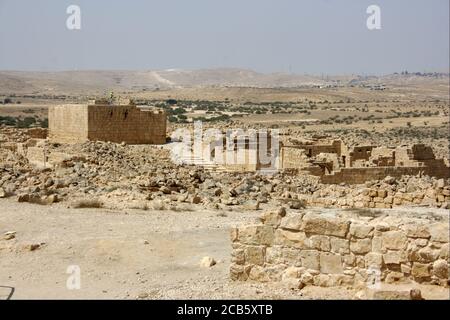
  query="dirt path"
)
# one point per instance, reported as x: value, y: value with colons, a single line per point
x: 121, y: 254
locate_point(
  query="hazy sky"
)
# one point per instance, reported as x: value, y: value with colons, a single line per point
x: 301, y: 36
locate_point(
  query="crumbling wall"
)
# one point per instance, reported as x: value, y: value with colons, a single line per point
x: 312, y: 150
x: 382, y: 156
x: 363, y: 163
x: 329, y: 158
x: 292, y: 157
x: 422, y: 152
x: 239, y: 160
x: 416, y: 155
x: 40, y: 157
x: 436, y: 169
x: 341, y: 249
x: 378, y: 197
x: 358, y: 153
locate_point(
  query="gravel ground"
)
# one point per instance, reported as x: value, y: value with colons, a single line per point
x: 129, y: 254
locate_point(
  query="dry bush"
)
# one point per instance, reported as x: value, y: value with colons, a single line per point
x: 182, y: 207
x: 366, y: 212
x: 139, y: 205
x: 158, y: 205
x: 87, y: 203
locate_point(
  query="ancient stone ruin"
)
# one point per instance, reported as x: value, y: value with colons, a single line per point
x: 333, y: 249
x: 99, y: 120
x: 332, y: 161
x: 335, y: 163
x: 233, y: 151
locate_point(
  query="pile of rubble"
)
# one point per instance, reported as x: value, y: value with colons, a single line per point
x: 143, y: 176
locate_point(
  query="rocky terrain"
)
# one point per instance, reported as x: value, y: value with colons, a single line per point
x: 110, y: 175
x: 138, y: 254
x: 115, y: 211
x: 140, y: 226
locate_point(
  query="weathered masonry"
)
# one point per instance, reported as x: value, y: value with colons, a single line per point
x: 334, y: 249
x: 99, y: 120
x: 336, y: 163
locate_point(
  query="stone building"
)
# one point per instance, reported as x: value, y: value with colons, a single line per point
x: 335, y: 163
x: 99, y: 120
x: 238, y: 152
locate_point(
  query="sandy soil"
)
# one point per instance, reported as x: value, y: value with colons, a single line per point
x: 131, y: 254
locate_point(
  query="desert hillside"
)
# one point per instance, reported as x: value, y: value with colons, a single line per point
x: 97, y: 81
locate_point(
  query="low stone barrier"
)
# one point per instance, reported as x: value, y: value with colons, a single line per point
x: 380, y: 198
x: 342, y: 248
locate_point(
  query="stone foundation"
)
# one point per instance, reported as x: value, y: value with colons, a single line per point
x: 378, y: 198
x: 435, y: 168
x: 343, y: 248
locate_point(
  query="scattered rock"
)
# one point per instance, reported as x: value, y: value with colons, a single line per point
x: 251, y: 205
x: 9, y: 235
x: 196, y: 199
x: 207, y: 262
x: 413, y: 294
x: 142, y: 295
x: 440, y: 269
x: 33, y: 246
x: 86, y: 203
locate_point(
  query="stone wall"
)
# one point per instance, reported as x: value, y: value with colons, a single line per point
x: 358, y: 153
x: 378, y: 197
x: 292, y: 158
x: 126, y: 124
x: 114, y: 123
x: 242, y: 160
x: 435, y: 168
x: 362, y: 163
x: 68, y: 123
x: 40, y: 157
x: 422, y: 152
x: 332, y: 249
x: 312, y: 150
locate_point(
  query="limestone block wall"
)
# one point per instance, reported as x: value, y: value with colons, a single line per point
x: 335, y: 249
x: 37, y: 157
x: 68, y: 123
x: 292, y: 157
x: 40, y: 157
x: 245, y: 160
x: 360, y: 175
x: 378, y: 197
x: 313, y: 150
x: 118, y: 123
x: 406, y: 156
x: 359, y: 153
x: 382, y: 152
x: 126, y: 123
x: 422, y: 152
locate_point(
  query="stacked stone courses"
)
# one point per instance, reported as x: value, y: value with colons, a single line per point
x: 104, y: 122
x: 341, y: 249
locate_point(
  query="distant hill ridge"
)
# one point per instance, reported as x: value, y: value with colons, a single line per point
x: 100, y: 80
